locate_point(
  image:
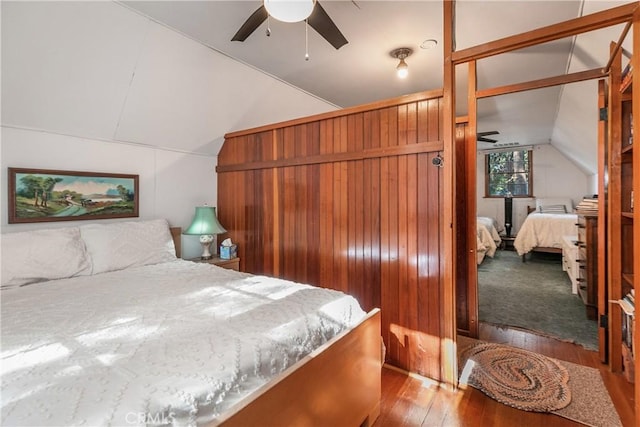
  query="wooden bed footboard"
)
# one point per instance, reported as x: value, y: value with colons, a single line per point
x: 338, y: 384
x: 176, y: 233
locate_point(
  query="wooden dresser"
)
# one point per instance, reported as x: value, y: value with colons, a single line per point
x: 588, y: 262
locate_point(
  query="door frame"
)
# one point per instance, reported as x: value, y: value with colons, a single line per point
x: 603, y: 19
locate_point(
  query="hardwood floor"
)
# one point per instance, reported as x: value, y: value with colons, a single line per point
x: 412, y: 401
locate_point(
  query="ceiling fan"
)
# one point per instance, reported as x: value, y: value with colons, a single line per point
x: 319, y: 21
x: 481, y: 136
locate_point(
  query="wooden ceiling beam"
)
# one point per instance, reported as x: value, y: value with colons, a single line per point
x: 594, y: 21
x: 623, y: 35
x: 596, y: 73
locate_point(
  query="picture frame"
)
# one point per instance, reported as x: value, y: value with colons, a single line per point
x: 42, y: 195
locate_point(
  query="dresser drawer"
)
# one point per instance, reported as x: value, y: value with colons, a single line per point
x: 582, y: 229
x: 587, y: 263
x: 569, y: 260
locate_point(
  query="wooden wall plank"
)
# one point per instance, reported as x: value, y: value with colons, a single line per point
x: 392, y: 304
x: 313, y: 230
x: 267, y: 219
x: 405, y: 303
x: 326, y: 205
x: 253, y: 189
x: 412, y: 235
x: 376, y: 201
x: 280, y: 248
x: 412, y: 253
x: 288, y: 214
x: 353, y: 206
x: 367, y: 232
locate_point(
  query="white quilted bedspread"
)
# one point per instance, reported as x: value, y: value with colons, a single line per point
x: 485, y: 241
x: 175, y: 343
x: 492, y: 226
x: 544, y: 230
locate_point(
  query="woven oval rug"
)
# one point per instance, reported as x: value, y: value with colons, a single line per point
x: 516, y: 377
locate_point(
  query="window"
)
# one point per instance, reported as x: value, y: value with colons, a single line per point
x: 509, y: 174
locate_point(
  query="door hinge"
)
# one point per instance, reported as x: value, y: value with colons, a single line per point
x: 604, y: 113
x: 604, y: 321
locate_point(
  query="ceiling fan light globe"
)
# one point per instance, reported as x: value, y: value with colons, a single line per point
x: 289, y: 10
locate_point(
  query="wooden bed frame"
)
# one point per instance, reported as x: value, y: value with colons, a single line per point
x: 337, y: 384
x: 540, y: 248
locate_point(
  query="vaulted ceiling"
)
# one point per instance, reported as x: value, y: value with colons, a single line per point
x: 363, y: 71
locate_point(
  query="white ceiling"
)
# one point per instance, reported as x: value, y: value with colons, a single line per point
x: 363, y: 71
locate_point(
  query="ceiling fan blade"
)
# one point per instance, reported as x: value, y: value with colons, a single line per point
x: 491, y: 132
x: 322, y: 23
x: 250, y: 25
x: 483, y: 139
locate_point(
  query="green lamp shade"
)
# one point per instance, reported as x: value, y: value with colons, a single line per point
x: 205, y: 222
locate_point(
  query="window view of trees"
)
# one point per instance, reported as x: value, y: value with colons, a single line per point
x: 508, y: 174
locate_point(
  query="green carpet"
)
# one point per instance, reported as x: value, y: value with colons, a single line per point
x: 535, y: 295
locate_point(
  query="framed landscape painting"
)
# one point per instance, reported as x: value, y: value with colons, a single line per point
x: 39, y: 195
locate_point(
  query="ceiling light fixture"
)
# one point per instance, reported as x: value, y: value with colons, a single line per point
x: 289, y: 10
x: 401, y: 53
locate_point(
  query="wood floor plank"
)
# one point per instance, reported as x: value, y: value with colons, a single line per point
x: 443, y: 406
x: 410, y: 402
x: 393, y: 383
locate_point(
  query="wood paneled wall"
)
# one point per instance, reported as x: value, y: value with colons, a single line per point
x: 348, y: 200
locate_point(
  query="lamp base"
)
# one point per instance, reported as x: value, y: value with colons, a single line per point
x: 205, y: 241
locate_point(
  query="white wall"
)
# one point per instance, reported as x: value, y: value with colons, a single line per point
x: 553, y: 176
x: 171, y: 183
x: 592, y: 186
x: 93, y: 86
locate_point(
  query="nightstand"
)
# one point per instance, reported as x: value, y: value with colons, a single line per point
x: 231, y: 264
x: 507, y: 242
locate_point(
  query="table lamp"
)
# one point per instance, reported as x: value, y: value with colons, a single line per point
x: 205, y: 223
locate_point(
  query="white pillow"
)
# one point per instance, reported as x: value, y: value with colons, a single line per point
x: 568, y: 204
x: 128, y: 244
x: 39, y: 255
x: 553, y: 209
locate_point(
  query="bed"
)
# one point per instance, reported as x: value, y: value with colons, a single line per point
x: 486, y: 246
x: 545, y: 226
x: 108, y: 327
x: 488, y: 238
x: 492, y: 226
